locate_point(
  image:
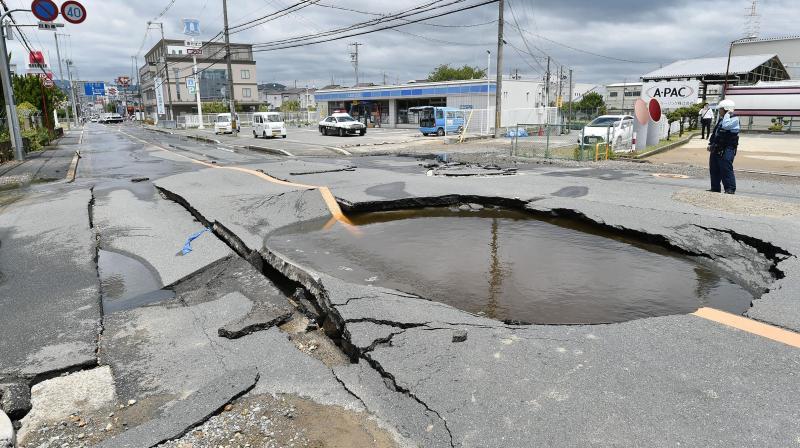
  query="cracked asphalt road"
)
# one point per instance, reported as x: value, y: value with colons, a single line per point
x: 429, y: 374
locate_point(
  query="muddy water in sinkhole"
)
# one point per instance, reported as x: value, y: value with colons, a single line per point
x: 126, y: 283
x: 512, y: 267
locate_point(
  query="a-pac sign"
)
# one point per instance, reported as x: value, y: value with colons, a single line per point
x: 672, y: 94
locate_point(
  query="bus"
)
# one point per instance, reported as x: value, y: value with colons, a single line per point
x: 432, y: 120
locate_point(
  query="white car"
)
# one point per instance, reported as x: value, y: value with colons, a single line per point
x: 618, y: 129
x: 222, y: 124
x: 268, y: 124
x: 341, y: 124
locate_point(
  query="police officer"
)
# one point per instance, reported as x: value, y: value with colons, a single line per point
x: 722, y: 148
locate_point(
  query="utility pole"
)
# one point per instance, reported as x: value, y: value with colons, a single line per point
x: 72, y: 91
x: 141, y: 96
x: 488, y: 84
x: 231, y: 102
x: 60, y: 71
x: 166, y: 69
x: 354, y: 58
x: 8, y: 91
x: 569, y: 115
x: 498, y: 95
x: 547, y: 85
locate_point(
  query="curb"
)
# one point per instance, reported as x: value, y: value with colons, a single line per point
x: 160, y: 130
x: 7, y: 437
x: 277, y: 152
x: 204, y: 139
x: 666, y: 148
x: 73, y: 167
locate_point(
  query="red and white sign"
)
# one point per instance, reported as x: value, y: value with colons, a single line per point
x: 48, y: 82
x: 124, y: 81
x: 73, y: 12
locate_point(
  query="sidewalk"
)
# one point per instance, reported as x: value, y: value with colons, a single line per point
x: 50, y: 164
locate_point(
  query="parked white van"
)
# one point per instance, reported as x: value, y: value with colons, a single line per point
x: 222, y: 124
x: 268, y: 124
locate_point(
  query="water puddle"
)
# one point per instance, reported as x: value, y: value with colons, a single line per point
x: 126, y: 283
x: 510, y: 266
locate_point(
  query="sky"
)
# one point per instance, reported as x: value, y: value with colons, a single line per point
x: 602, y: 41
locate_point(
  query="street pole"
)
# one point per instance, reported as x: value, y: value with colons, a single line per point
x: 498, y: 95
x: 728, y: 68
x: 72, y: 92
x: 141, y: 96
x: 488, y: 85
x: 547, y: 89
x: 231, y: 102
x: 197, y: 91
x: 60, y: 71
x: 8, y: 92
x: 166, y: 71
x: 569, y: 115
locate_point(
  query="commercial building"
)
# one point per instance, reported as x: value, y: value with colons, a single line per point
x: 711, y: 72
x: 786, y: 48
x: 213, y: 76
x: 388, y: 105
x: 619, y: 97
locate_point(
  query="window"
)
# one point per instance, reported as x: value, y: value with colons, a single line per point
x: 613, y: 94
x: 245, y: 74
x: 634, y: 93
x: 177, y: 82
x: 247, y: 92
x: 257, y: 119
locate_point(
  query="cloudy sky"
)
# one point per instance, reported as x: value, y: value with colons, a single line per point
x: 601, y: 40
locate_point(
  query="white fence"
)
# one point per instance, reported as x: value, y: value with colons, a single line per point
x: 481, y: 121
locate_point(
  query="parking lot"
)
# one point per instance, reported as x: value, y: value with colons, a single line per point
x: 308, y: 141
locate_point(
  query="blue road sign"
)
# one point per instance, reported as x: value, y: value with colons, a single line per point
x: 44, y: 10
x: 191, y: 27
x: 94, y: 89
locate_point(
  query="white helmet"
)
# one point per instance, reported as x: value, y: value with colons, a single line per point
x: 728, y: 105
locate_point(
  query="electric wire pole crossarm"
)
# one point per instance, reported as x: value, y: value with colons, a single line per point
x: 8, y: 90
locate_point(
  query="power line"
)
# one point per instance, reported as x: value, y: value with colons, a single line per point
x: 440, y: 41
x: 315, y: 39
x: 164, y: 11
x: 471, y: 25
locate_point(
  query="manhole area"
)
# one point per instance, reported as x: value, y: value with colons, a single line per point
x: 512, y: 267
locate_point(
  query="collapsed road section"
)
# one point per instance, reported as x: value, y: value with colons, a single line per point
x: 477, y: 380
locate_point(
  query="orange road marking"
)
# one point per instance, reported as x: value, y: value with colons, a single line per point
x: 327, y: 195
x: 751, y: 326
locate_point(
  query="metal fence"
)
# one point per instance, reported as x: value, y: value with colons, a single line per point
x: 563, y: 141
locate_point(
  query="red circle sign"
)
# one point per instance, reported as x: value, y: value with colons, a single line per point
x: 48, y: 82
x: 44, y: 10
x: 73, y: 12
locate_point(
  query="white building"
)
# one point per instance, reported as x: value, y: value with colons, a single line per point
x: 619, y: 97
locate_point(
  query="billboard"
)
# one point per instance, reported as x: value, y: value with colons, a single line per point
x: 160, y: 96
x: 672, y: 94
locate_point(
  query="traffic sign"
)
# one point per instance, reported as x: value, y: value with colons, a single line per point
x: 48, y: 82
x: 44, y: 10
x: 94, y: 89
x: 192, y: 44
x: 194, y: 51
x: 124, y: 81
x: 49, y: 26
x: 73, y: 12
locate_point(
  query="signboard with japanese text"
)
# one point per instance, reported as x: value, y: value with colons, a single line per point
x: 671, y: 94
x: 159, y: 87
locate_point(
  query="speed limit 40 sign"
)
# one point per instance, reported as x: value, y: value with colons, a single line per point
x: 73, y: 12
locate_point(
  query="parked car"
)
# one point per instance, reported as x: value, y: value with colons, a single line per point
x: 341, y: 124
x: 617, y: 129
x: 268, y: 124
x: 111, y: 118
x: 95, y: 118
x: 223, y: 124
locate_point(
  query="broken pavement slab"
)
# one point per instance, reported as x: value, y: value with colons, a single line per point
x: 154, y: 229
x: 185, y: 414
x: 49, y: 290
x: 8, y: 437
x: 15, y: 399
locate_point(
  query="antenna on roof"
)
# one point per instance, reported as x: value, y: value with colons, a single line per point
x: 752, y: 21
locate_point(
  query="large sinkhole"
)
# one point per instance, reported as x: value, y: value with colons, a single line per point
x: 511, y: 266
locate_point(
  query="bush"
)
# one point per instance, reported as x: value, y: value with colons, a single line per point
x: 32, y: 136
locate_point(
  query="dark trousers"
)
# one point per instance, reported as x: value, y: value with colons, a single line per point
x: 720, y: 167
x: 705, y: 128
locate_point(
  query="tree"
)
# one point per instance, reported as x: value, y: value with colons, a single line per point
x: 592, y: 102
x: 29, y: 89
x: 290, y: 106
x: 446, y: 73
x: 216, y: 107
